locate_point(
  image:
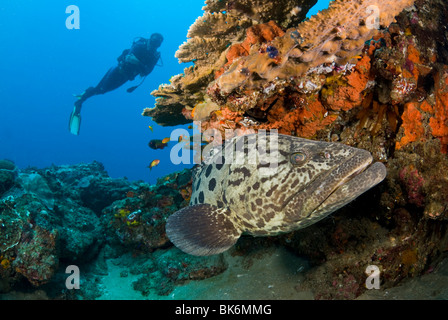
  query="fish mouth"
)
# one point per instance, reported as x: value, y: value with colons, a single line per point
x: 324, y: 185
x: 361, y: 178
x: 334, y: 189
x: 356, y: 171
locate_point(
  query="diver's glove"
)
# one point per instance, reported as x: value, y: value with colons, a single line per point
x: 75, y: 120
x: 131, y: 59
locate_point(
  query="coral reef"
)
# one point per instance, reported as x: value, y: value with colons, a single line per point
x: 53, y: 217
x: 138, y: 221
x: 172, y: 267
x: 256, y: 67
x: 46, y: 218
x: 270, y: 59
x: 36, y: 256
x: 223, y: 24
x: 8, y: 174
x: 333, y: 78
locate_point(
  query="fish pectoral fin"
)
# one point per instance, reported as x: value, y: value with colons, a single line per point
x: 202, y: 230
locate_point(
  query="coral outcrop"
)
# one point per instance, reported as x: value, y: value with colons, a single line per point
x: 53, y: 217
x: 173, y: 267
x: 138, y: 220
x: 8, y: 174
x: 270, y: 59
x: 223, y: 24
x: 45, y: 221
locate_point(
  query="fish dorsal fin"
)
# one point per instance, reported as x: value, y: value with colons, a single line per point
x: 202, y: 229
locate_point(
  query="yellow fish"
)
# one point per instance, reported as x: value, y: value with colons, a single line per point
x: 153, y: 164
x: 152, y: 130
x: 166, y: 140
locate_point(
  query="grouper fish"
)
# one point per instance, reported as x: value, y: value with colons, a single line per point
x: 265, y: 185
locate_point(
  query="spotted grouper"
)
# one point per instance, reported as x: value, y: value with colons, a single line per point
x: 265, y: 185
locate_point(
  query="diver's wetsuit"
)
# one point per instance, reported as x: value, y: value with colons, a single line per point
x: 140, y: 59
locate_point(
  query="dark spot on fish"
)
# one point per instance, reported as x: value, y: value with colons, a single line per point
x: 284, y: 153
x: 295, y: 183
x: 270, y: 215
x: 201, y: 197
x: 259, y: 201
x: 246, y: 224
x: 263, y: 180
x: 256, y: 185
x: 285, y: 179
x: 243, y: 170
x: 236, y: 182
x: 271, y: 207
x: 212, y: 184
x: 208, y: 171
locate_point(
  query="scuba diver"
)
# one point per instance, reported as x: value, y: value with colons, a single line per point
x: 140, y: 59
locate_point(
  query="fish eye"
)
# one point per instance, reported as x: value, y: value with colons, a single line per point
x: 298, y: 158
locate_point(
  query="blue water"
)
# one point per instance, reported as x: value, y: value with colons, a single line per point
x: 43, y: 64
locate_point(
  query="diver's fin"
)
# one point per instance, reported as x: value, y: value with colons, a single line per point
x: 79, y: 96
x: 75, y: 122
x: 202, y: 230
x: 131, y: 89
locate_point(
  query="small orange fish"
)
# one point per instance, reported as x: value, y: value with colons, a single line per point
x: 152, y: 130
x: 180, y: 139
x: 153, y: 164
x: 190, y: 127
x: 166, y: 140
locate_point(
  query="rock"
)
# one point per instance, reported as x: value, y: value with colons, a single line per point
x: 172, y: 267
x: 34, y: 183
x: 8, y: 175
x: 81, y: 234
x: 180, y: 266
x: 11, y: 224
x: 138, y: 221
x: 37, y: 257
x: 44, y: 219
